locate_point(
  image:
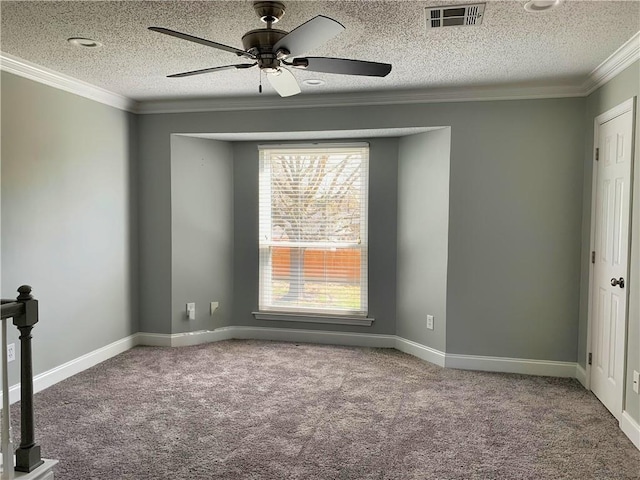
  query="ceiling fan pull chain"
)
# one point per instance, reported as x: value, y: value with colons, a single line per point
x: 260, y: 85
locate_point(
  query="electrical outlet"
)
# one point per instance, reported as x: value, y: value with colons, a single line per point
x: 214, y: 307
x: 636, y: 381
x: 191, y: 311
x: 11, y: 352
x: 430, y: 322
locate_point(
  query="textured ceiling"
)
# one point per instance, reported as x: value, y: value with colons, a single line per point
x: 511, y: 47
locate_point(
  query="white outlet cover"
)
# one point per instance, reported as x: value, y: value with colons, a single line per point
x: 636, y: 381
x: 214, y: 307
x: 11, y: 352
x: 430, y: 322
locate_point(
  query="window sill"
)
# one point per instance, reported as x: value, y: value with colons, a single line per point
x: 311, y: 318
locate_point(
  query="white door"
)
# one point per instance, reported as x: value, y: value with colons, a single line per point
x: 611, y: 245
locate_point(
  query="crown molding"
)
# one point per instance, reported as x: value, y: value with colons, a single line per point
x: 473, y: 94
x: 38, y: 73
x: 615, y: 63
x: 622, y: 58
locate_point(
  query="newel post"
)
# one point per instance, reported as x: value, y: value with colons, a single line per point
x: 28, y: 454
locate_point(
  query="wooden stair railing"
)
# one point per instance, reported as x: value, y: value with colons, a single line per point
x: 24, y: 311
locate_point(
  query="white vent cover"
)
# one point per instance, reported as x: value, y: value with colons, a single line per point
x: 454, y: 15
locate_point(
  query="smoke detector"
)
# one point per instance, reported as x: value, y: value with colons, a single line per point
x: 454, y: 15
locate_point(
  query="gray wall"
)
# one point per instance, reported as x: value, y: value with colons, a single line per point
x: 67, y: 218
x: 515, y: 220
x: 154, y: 227
x: 616, y: 91
x: 383, y: 175
x: 515, y: 213
x: 520, y: 189
x: 201, y: 231
x: 423, y: 236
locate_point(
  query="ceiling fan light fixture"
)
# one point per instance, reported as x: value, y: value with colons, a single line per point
x: 84, y: 42
x: 534, y: 6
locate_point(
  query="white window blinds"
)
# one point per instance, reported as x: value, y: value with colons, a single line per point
x: 313, y: 228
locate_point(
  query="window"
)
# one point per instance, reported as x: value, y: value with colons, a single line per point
x: 313, y: 229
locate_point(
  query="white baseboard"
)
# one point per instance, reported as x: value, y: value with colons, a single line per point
x: 183, y: 339
x: 77, y: 365
x: 57, y: 374
x: 524, y: 366
x: 14, y: 393
x: 631, y: 428
x: 266, y: 333
x: 468, y: 362
x: 421, y: 351
x: 313, y: 336
x: 154, y: 339
x: 581, y: 375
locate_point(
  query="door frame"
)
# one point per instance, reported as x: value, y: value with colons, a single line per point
x: 624, y: 107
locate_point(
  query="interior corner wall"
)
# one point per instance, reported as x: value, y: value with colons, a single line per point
x: 514, y: 212
x: 68, y: 218
x: 383, y: 174
x: 623, y: 87
x: 154, y: 225
x: 201, y: 232
x: 423, y: 235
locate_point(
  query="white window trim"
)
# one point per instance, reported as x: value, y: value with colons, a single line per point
x: 313, y: 316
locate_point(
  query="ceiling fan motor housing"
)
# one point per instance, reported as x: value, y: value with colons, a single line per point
x: 269, y: 12
x: 260, y: 43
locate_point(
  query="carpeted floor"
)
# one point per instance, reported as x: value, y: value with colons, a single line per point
x: 268, y: 410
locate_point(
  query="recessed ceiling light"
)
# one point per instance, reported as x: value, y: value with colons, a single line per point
x: 541, y: 5
x: 313, y: 82
x: 83, y: 42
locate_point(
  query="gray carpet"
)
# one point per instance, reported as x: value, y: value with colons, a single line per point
x: 269, y: 410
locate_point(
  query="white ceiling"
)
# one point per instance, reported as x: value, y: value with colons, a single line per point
x: 511, y: 48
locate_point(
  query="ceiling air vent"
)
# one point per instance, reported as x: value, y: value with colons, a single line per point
x: 454, y: 15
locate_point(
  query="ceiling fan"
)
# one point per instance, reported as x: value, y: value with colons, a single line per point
x: 273, y: 50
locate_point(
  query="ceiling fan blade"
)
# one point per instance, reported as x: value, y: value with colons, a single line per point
x: 212, y: 69
x: 309, y: 35
x: 284, y: 82
x: 343, y: 66
x: 202, y: 41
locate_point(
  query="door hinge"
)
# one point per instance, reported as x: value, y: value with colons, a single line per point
x: 593, y: 257
x: 597, y: 154
x: 590, y: 358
